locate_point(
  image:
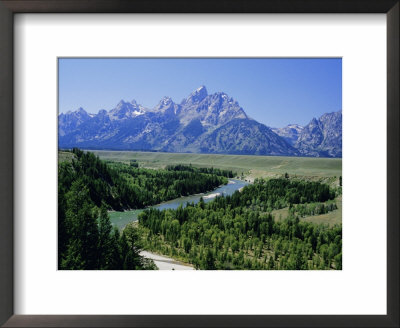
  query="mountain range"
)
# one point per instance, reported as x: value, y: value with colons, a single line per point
x: 201, y: 123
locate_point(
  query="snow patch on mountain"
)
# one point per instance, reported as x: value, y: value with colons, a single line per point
x: 202, y: 122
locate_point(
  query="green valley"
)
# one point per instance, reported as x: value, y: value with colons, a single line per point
x: 287, y: 218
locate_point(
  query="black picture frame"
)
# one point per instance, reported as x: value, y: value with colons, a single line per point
x: 10, y: 7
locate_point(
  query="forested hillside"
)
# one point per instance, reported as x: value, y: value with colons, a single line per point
x: 238, y: 231
x: 89, y: 187
x: 122, y: 186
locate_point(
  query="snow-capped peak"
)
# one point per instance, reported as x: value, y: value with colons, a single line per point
x: 166, y: 100
x: 125, y: 110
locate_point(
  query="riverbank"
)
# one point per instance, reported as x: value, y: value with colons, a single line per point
x: 121, y: 219
x: 165, y: 263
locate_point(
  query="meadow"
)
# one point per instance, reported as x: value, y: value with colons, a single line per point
x: 64, y: 156
x: 251, y: 166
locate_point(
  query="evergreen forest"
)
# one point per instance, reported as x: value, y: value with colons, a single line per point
x: 231, y: 232
x: 88, y: 187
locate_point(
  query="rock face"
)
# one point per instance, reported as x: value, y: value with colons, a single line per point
x: 70, y: 121
x: 201, y: 123
x: 290, y: 133
x: 246, y: 137
x: 322, y: 137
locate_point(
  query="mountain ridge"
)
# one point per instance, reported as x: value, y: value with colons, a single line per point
x: 200, y: 123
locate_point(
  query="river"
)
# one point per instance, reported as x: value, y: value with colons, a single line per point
x: 121, y: 219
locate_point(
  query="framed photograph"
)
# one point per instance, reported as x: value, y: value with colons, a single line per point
x: 200, y: 183
x: 220, y: 164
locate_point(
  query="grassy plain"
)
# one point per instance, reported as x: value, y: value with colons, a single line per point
x: 251, y: 166
x: 64, y: 156
x: 330, y: 218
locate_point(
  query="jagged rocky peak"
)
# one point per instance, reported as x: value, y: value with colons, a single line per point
x: 71, y: 120
x: 222, y: 108
x: 69, y: 114
x: 218, y: 97
x: 165, y: 102
x: 331, y: 117
x: 136, y: 106
x: 102, y: 112
x: 223, y: 100
x: 197, y: 95
x: 322, y: 137
x: 211, y: 109
x: 79, y: 114
x: 166, y: 106
x: 125, y: 110
x: 127, y: 105
x: 221, y: 95
x: 121, y: 104
x: 209, y: 123
x: 314, y: 121
x: 121, y: 108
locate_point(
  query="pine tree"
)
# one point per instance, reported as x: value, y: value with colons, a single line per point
x: 62, y: 228
x: 115, y: 262
x: 132, y: 238
x: 210, y: 260
x: 105, y: 246
x: 201, y: 203
x: 80, y: 218
x: 271, y: 263
x: 338, y: 261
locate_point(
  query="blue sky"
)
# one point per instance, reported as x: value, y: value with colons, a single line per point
x: 275, y: 92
